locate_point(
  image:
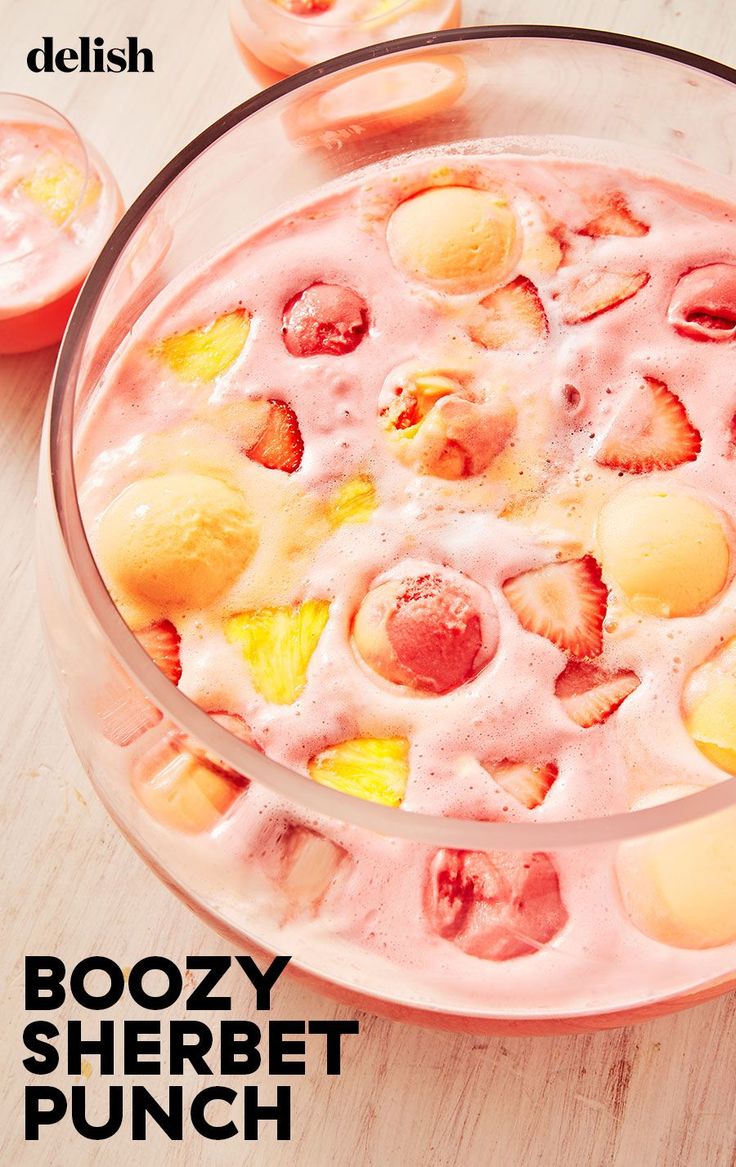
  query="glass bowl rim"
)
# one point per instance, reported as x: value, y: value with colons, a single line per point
x: 436, y: 830
x: 79, y: 141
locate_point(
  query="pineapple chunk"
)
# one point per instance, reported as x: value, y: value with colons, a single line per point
x: 376, y: 769
x: 354, y: 502
x: 203, y: 353
x: 277, y: 644
x: 308, y: 864
x: 55, y: 186
x: 182, y: 792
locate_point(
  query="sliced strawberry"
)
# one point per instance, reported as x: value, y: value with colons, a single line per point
x: 280, y: 445
x: 235, y: 725
x: 161, y: 641
x: 509, y: 318
x: 598, y: 291
x: 565, y: 602
x: 651, y: 432
x: 527, y: 783
x: 589, y: 694
x: 614, y: 219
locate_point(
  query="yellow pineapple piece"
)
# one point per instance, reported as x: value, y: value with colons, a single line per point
x: 354, y: 502
x: 203, y: 353
x: 277, y: 644
x: 182, y: 792
x: 55, y: 186
x: 376, y: 769
x: 308, y: 864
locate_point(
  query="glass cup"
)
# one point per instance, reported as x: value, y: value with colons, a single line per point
x: 58, y: 204
x: 185, y: 787
x: 276, y: 38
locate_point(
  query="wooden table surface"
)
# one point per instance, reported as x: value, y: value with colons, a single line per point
x: 661, y: 1095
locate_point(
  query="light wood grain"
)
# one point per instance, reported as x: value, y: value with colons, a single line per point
x: 662, y: 1095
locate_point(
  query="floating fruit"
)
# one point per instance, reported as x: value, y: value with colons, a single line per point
x: 650, y: 431
x: 590, y: 694
x: 304, y: 864
x: 353, y: 502
x: 565, y: 602
x: 279, y: 445
x: 527, y: 782
x: 278, y: 644
x: 615, y: 218
x: 203, y: 353
x: 512, y: 317
x: 599, y: 291
x: 183, y: 792
x: 161, y: 641
x: 376, y: 769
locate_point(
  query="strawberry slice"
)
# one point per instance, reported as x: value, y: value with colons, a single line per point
x: 280, y: 445
x: 124, y: 713
x: 599, y: 291
x: 565, y: 602
x: 161, y: 641
x: 529, y: 784
x: 650, y: 432
x: 614, y: 219
x: 509, y: 318
x: 236, y: 725
x: 589, y: 694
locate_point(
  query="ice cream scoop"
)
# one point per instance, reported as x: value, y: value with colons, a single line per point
x: 709, y: 702
x: 666, y: 551
x: 324, y: 318
x: 176, y: 540
x: 679, y: 886
x: 704, y: 303
x: 440, y: 426
x: 426, y: 631
x: 494, y: 905
x: 457, y: 237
